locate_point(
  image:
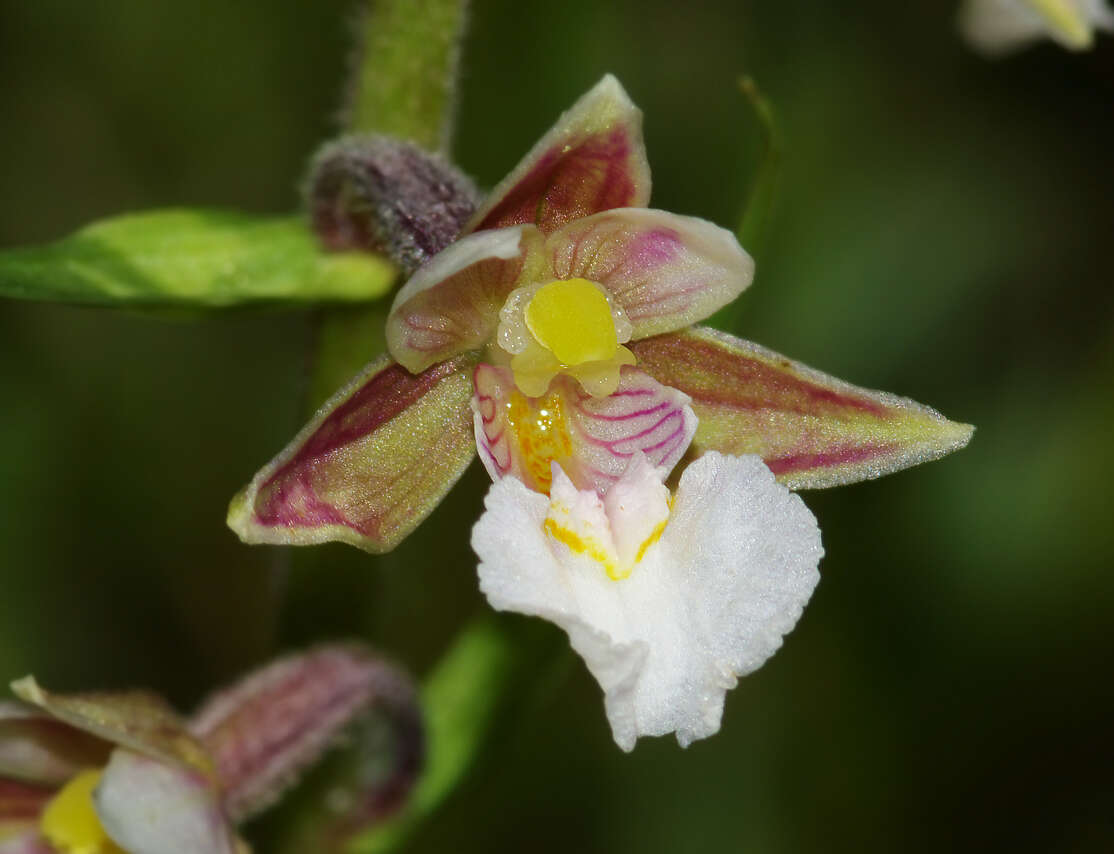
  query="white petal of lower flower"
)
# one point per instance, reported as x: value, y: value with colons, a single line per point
x: 708, y: 602
x: 153, y: 807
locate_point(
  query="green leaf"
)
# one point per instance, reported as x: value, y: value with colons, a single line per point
x: 181, y: 258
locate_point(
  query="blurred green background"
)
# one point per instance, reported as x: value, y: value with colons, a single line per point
x: 943, y: 232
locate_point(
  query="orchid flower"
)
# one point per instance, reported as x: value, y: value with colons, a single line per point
x: 667, y: 598
x: 559, y: 328
x: 1000, y: 26
x: 122, y: 773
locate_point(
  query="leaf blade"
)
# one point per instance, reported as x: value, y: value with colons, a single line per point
x: 191, y: 258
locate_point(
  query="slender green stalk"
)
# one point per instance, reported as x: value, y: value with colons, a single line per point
x: 763, y: 189
x: 755, y: 216
x: 405, y: 81
x: 403, y: 84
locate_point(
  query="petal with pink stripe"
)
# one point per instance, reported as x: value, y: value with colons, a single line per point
x: 666, y: 271
x: 811, y: 429
x: 593, y: 159
x: 591, y: 438
x: 370, y: 466
x: 451, y: 304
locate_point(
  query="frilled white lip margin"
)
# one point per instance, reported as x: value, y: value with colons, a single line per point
x: 707, y: 598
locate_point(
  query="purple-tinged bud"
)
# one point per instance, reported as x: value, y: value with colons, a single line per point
x: 268, y: 729
x: 385, y: 195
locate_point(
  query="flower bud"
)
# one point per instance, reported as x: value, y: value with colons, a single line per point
x: 385, y: 195
x: 265, y: 731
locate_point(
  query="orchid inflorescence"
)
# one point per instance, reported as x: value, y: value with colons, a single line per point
x: 642, y: 465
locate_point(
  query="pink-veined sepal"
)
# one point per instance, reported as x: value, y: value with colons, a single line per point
x: 370, y: 466
x: 811, y: 429
x: 593, y: 159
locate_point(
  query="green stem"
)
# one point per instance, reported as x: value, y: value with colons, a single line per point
x: 405, y: 84
x: 760, y: 199
x: 759, y: 203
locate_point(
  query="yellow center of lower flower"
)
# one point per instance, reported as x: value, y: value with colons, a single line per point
x: 572, y: 319
x: 70, y: 822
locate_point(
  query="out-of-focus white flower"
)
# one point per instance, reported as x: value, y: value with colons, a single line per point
x: 668, y: 599
x: 1000, y: 26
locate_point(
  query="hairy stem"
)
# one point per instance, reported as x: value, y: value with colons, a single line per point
x: 403, y: 84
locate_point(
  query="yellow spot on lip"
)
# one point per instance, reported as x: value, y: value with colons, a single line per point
x: 585, y: 546
x: 70, y: 822
x: 542, y: 435
x: 597, y: 551
x: 655, y: 535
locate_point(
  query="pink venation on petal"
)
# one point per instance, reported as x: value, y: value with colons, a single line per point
x: 565, y: 184
x: 811, y: 429
x: 370, y: 466
x: 592, y: 438
x: 790, y: 464
x: 593, y: 159
x: 451, y: 304
x: 666, y: 271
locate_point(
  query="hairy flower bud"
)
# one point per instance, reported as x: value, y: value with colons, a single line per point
x: 265, y: 731
x: 385, y: 195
